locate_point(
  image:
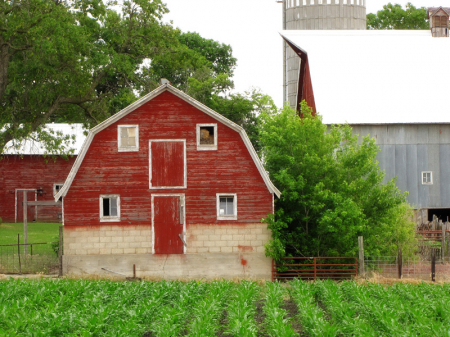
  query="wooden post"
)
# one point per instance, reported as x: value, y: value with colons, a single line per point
x: 315, y: 269
x: 400, y: 263
x: 18, y: 253
x: 361, y: 255
x: 433, y: 265
x: 60, y: 251
x: 443, y: 243
x: 25, y: 223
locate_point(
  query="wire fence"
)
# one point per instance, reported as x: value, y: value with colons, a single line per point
x: 29, y: 258
x: 411, y: 268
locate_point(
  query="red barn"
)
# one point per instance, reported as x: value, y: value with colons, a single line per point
x: 26, y: 168
x: 170, y: 186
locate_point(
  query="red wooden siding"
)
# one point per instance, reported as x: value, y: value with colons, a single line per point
x: 229, y: 169
x: 167, y: 226
x: 167, y: 164
x: 31, y: 172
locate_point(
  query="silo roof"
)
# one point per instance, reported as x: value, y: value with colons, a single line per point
x: 377, y: 76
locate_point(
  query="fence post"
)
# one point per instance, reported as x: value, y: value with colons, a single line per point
x: 315, y: 269
x: 18, y: 252
x: 433, y: 265
x: 25, y: 222
x: 400, y: 263
x: 361, y: 255
x: 443, y: 242
x: 60, y: 251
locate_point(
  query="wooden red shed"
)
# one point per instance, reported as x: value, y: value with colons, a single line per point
x: 27, y: 167
x: 170, y: 186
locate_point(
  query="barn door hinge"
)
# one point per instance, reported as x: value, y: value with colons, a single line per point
x: 181, y: 238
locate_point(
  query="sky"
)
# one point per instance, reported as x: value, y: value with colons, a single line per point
x: 252, y: 29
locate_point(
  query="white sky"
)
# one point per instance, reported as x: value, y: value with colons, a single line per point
x: 251, y: 28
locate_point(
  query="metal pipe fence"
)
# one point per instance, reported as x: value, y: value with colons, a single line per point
x: 29, y: 258
x: 313, y: 268
x: 408, y: 268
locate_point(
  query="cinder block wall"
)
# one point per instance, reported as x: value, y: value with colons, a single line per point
x: 213, y: 251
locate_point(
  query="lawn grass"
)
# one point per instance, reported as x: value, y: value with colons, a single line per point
x: 37, y: 232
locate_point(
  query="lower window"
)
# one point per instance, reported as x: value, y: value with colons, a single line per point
x: 226, y: 206
x: 109, y: 207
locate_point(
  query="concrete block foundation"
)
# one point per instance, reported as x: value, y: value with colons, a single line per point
x: 213, y: 251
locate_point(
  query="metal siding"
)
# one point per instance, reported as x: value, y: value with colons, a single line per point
x: 411, y: 134
x: 422, y: 165
x: 166, y: 224
x: 422, y: 134
x: 444, y: 178
x: 412, y: 175
x: 167, y: 164
x: 387, y: 161
x: 444, y: 134
x: 433, y: 164
x: 401, y: 167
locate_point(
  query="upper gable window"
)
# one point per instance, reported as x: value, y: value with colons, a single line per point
x: 128, y: 138
x: 206, y: 136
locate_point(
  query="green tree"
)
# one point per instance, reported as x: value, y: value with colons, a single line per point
x: 395, y: 17
x: 332, y: 190
x: 73, y: 61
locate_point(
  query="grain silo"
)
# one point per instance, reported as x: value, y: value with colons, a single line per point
x: 315, y: 15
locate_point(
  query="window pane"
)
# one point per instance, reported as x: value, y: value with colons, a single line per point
x: 131, y: 132
x: 106, y: 207
x: 222, y: 206
x: 124, y: 136
x: 131, y: 141
x: 230, y: 208
x: 113, y: 203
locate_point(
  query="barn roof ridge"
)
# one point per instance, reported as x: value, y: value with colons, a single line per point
x: 165, y: 87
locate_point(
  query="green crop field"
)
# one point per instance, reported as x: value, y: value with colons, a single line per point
x: 221, y: 308
x: 37, y: 232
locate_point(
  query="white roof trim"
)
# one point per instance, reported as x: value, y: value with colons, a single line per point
x: 111, y: 120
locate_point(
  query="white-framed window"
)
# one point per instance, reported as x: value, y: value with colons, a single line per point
x: 57, y: 187
x: 128, y: 138
x: 226, y: 206
x: 206, y: 137
x: 109, y: 208
x: 427, y: 178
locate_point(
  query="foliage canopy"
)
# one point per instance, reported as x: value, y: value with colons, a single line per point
x: 82, y: 61
x: 393, y: 16
x: 332, y: 189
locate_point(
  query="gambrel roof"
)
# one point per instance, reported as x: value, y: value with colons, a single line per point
x: 132, y: 107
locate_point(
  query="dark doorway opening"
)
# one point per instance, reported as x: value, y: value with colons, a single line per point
x: 442, y: 214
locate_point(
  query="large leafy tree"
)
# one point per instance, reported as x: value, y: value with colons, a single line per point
x: 73, y: 61
x: 332, y: 190
x: 393, y: 16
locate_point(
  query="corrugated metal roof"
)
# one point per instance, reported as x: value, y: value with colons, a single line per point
x: 377, y: 76
x: 32, y: 147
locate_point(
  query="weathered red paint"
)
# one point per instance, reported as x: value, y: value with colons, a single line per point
x: 245, y: 249
x: 243, y: 262
x: 167, y: 226
x: 31, y: 172
x: 229, y: 169
x: 167, y: 164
